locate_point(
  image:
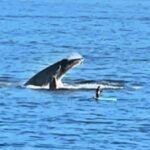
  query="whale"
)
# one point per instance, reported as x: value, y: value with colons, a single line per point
x: 52, y: 75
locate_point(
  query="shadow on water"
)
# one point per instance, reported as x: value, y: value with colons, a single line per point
x: 117, y: 83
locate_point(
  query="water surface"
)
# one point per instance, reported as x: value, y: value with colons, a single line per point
x: 113, y: 38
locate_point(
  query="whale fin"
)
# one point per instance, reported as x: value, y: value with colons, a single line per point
x: 57, y: 71
x: 53, y: 80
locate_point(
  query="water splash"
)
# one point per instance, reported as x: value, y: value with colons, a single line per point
x: 75, y: 55
x: 86, y: 86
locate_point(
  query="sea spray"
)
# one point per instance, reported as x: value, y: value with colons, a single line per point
x: 75, y: 55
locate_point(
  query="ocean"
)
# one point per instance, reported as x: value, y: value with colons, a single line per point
x: 113, y: 37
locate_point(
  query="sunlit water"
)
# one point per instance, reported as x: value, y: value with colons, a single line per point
x: 113, y: 37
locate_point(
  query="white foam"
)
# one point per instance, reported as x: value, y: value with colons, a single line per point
x: 137, y: 87
x: 75, y: 55
x: 37, y: 87
x: 60, y: 85
x: 81, y: 86
x: 3, y: 83
x: 106, y: 98
x: 86, y: 86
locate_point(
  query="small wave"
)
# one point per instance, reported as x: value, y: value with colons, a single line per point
x: 37, y: 87
x: 135, y: 87
x: 8, y: 81
x: 3, y: 83
x: 76, y: 85
x: 87, y: 86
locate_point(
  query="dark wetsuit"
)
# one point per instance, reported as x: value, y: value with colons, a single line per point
x: 98, y: 92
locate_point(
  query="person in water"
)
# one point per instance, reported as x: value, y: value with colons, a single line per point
x: 98, y: 92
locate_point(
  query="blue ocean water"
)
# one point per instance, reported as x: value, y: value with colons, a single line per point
x: 114, y: 39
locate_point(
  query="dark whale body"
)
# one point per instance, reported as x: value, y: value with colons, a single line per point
x: 53, y: 73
